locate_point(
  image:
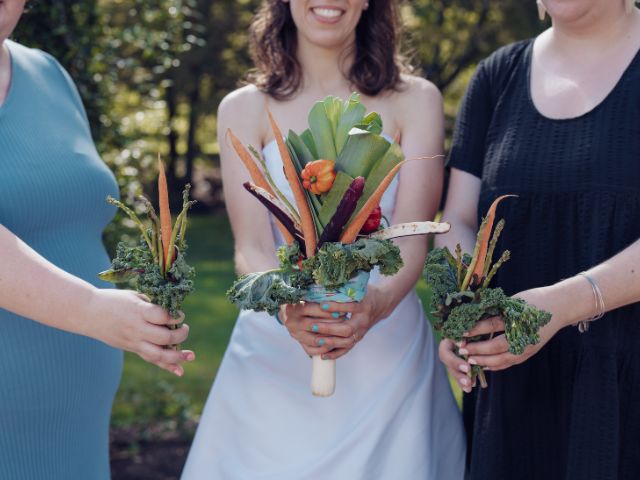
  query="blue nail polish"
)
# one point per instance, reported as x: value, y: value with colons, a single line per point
x: 325, y: 306
x: 314, y: 328
x: 321, y: 342
x: 335, y: 315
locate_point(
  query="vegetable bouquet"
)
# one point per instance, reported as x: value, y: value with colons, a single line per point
x: 156, y: 265
x: 338, y: 170
x: 461, y: 296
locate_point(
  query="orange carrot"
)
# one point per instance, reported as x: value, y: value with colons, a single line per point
x: 484, y: 236
x: 350, y: 233
x: 397, y: 137
x: 306, y: 220
x: 257, y: 176
x: 165, y: 213
x: 254, y: 171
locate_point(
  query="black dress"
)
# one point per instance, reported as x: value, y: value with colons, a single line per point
x: 572, y: 411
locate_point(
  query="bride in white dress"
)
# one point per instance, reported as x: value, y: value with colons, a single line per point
x: 393, y: 415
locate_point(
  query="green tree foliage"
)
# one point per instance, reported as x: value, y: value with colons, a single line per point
x: 152, y: 73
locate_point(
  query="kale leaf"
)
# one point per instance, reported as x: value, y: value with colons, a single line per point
x: 263, y: 292
x: 137, y: 264
x: 332, y: 267
x: 456, y: 310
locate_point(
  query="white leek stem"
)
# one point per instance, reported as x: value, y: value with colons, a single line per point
x: 412, y: 228
x: 323, y: 377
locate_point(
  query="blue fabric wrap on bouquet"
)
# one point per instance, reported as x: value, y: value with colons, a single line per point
x: 352, y: 291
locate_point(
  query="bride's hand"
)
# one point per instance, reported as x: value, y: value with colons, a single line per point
x: 322, y: 329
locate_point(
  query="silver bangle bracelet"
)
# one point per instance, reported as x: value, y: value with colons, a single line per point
x: 583, y: 325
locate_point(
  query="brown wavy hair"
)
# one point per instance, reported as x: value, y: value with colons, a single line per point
x: 378, y: 62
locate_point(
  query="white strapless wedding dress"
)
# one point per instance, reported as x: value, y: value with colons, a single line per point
x: 392, y: 417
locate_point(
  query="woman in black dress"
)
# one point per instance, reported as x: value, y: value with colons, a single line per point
x: 556, y: 120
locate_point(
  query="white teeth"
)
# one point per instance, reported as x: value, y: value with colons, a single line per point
x: 327, y: 12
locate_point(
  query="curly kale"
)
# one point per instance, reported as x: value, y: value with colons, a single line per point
x: 166, y: 283
x: 137, y: 264
x: 522, y: 323
x: 334, y: 264
x: 263, y: 292
x: 332, y: 267
x: 456, y: 311
x: 440, y: 276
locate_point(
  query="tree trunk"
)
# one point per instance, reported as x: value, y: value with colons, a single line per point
x: 192, y: 147
x: 172, y: 138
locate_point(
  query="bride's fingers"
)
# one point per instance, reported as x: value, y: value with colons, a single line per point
x: 335, y: 354
x: 321, y: 310
x: 313, y: 340
x: 313, y: 351
x: 334, y: 329
x: 342, y: 308
x: 337, y: 343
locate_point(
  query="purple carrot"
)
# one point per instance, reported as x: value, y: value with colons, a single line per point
x: 346, y: 207
x: 270, y: 202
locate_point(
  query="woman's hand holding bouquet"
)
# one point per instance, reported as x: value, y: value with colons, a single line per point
x: 338, y: 170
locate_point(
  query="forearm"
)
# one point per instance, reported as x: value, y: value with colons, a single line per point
x: 461, y: 233
x: 33, y: 287
x: 249, y: 259
x: 618, y: 279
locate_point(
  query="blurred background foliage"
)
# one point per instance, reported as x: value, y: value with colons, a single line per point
x: 152, y: 73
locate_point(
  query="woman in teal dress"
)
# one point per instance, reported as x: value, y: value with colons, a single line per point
x: 61, y: 329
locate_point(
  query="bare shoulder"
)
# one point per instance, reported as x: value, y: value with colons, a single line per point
x: 418, y: 92
x: 416, y: 102
x: 239, y: 106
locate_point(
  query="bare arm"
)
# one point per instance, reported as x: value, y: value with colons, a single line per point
x: 253, y: 252
x: 419, y: 191
x: 460, y: 211
x: 569, y: 301
x: 33, y: 287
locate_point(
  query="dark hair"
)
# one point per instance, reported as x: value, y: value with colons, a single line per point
x: 377, y: 64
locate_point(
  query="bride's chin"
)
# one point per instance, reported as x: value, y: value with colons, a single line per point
x: 328, y: 40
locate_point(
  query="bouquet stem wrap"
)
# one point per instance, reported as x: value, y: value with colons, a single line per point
x: 323, y: 372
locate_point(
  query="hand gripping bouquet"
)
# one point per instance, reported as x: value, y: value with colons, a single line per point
x: 461, y: 296
x: 156, y: 265
x: 338, y: 169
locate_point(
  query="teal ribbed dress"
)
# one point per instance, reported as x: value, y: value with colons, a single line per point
x: 56, y: 388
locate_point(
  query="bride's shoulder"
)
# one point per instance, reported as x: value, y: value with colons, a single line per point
x: 416, y: 100
x: 415, y: 94
x: 241, y: 104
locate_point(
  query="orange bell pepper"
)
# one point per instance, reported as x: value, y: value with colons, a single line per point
x: 318, y: 176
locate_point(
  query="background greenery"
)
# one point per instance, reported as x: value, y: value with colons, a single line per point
x: 151, y: 73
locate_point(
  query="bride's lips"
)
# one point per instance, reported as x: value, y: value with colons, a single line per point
x: 328, y: 15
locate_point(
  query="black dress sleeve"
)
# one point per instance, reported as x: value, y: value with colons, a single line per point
x: 469, y: 136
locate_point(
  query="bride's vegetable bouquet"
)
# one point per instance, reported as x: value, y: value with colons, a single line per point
x: 156, y: 265
x: 461, y: 296
x: 338, y: 170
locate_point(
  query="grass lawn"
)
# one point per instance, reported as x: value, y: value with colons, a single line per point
x: 149, y: 396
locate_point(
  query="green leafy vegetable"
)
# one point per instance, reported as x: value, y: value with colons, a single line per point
x: 142, y: 264
x: 263, y: 292
x: 341, y: 132
x: 332, y: 267
x: 457, y: 306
